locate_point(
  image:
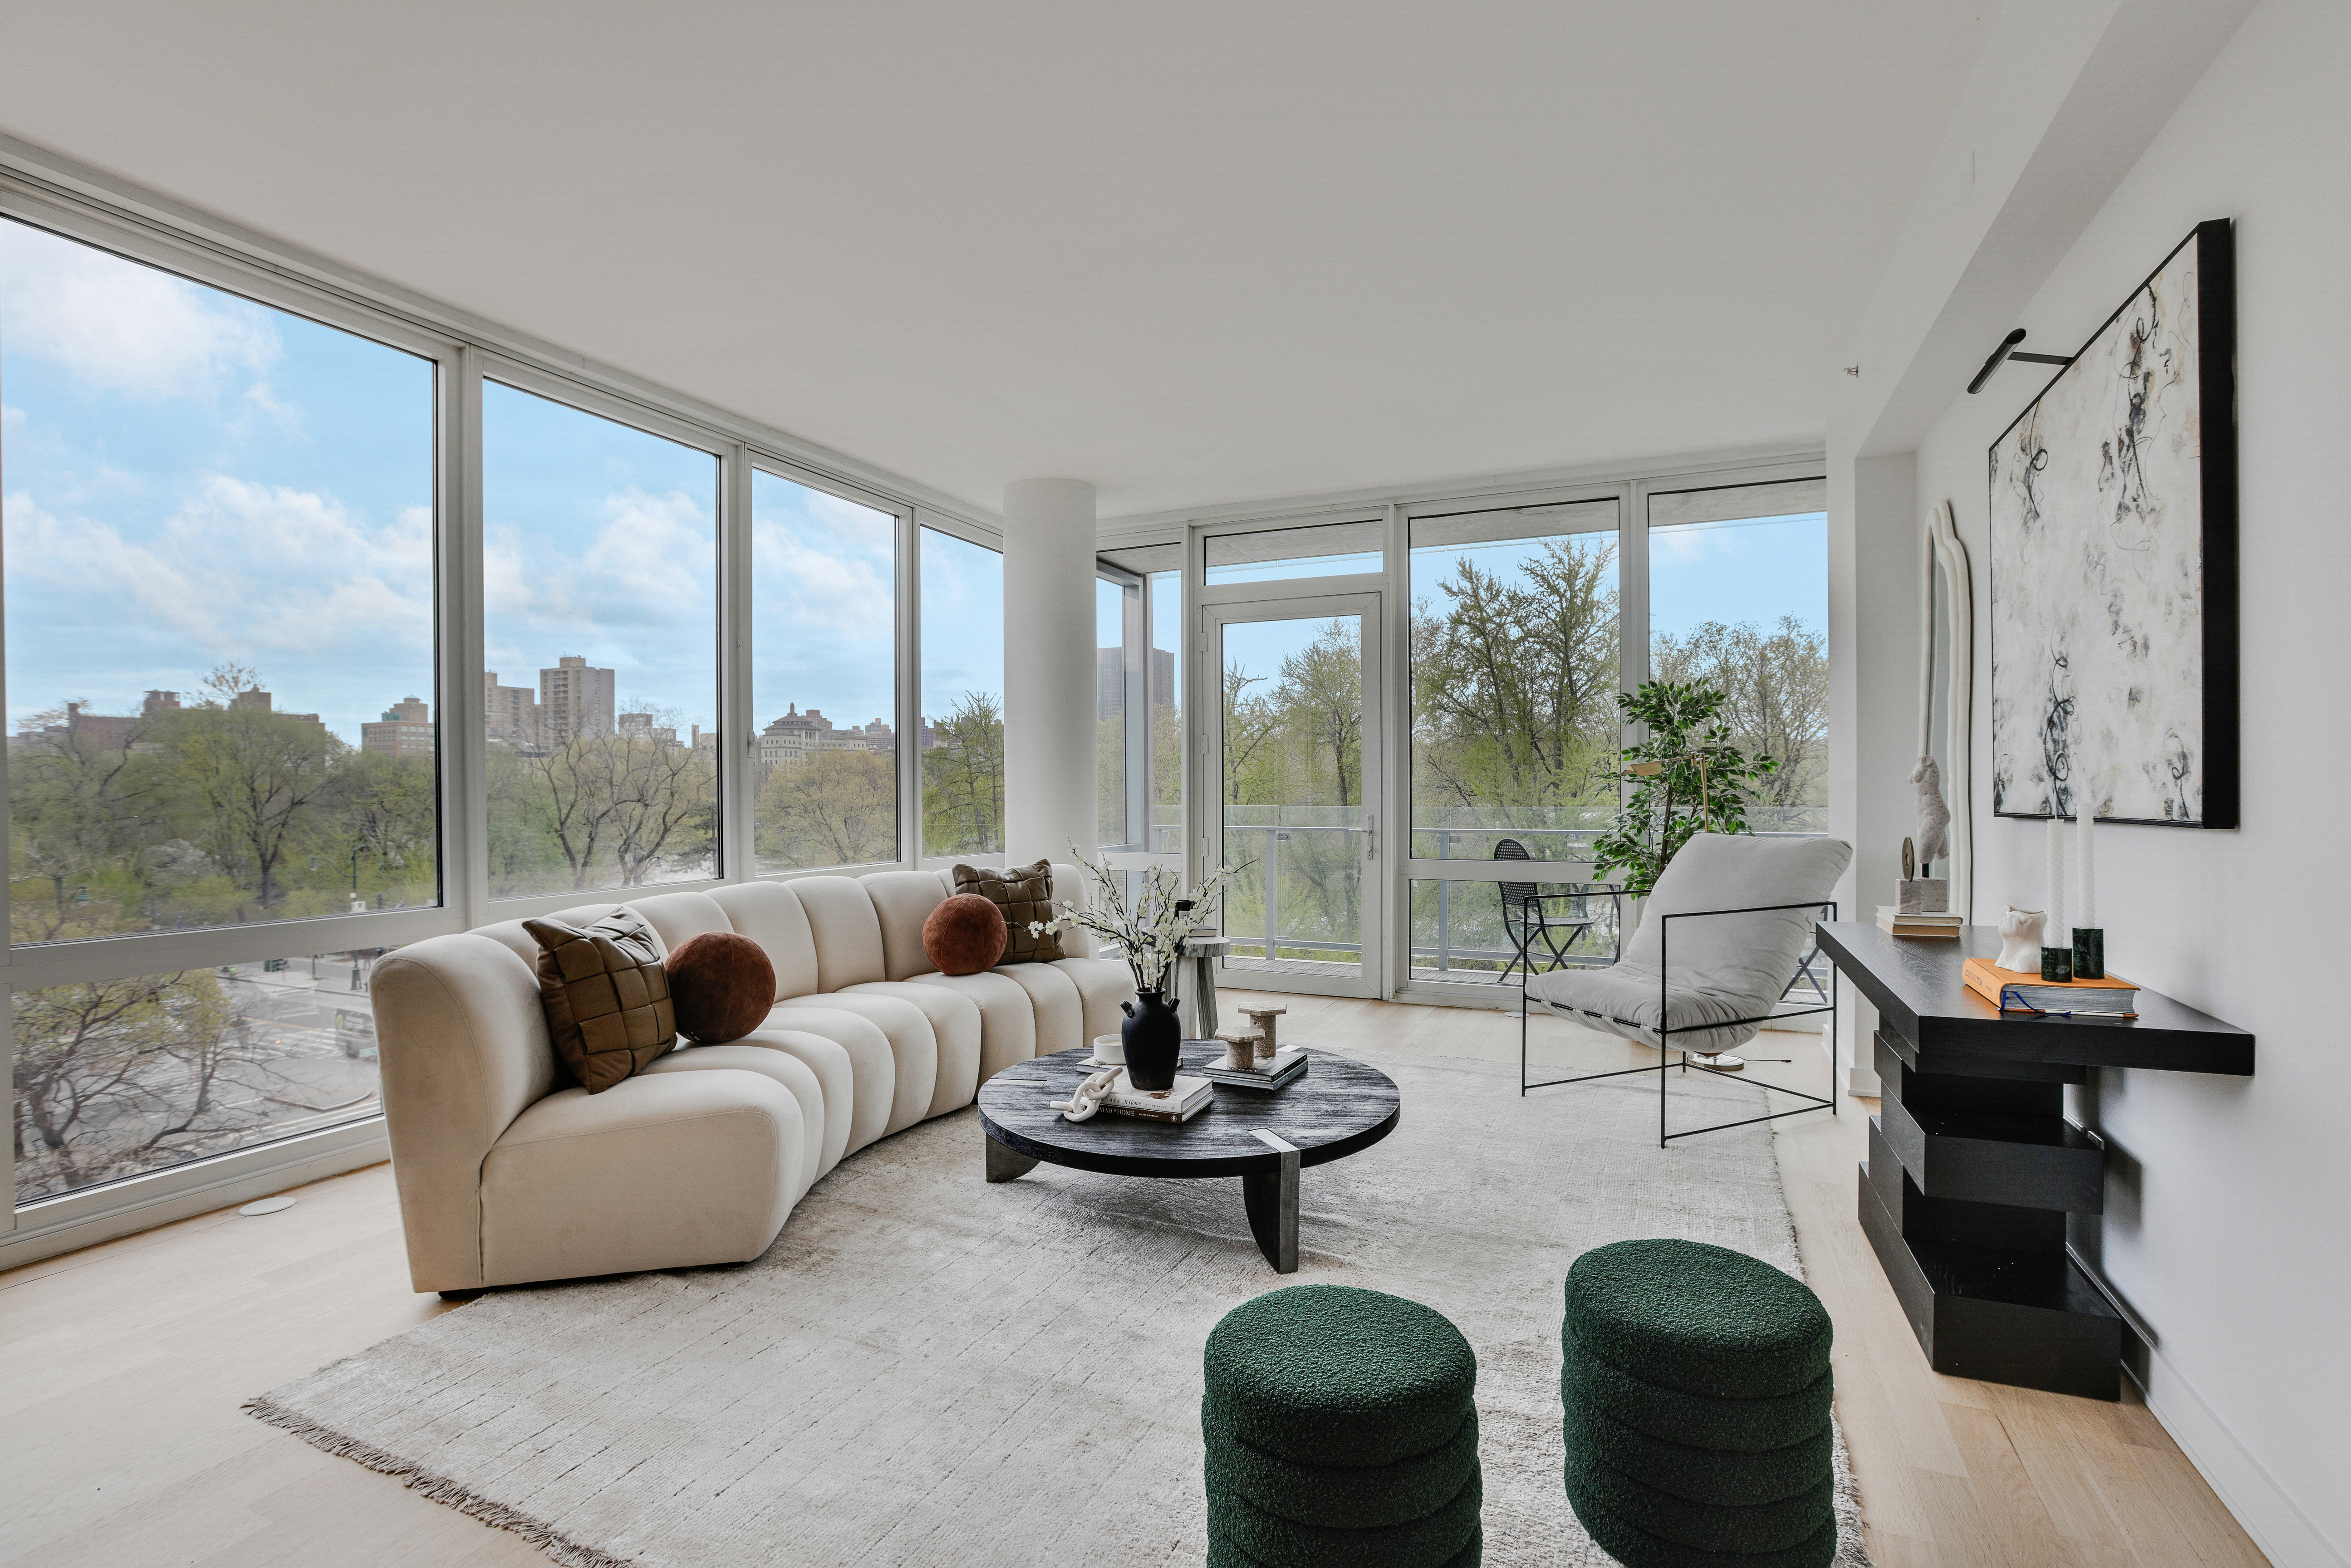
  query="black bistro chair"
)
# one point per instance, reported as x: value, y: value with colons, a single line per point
x: 1529, y: 918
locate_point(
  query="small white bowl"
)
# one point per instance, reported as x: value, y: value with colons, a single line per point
x: 1110, y: 1051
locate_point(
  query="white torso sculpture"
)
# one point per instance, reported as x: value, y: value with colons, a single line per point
x: 1934, y: 816
x: 2019, y: 940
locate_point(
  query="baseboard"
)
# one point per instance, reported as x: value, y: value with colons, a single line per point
x: 2283, y: 1532
x: 85, y: 1219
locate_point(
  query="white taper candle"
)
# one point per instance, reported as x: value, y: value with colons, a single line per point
x: 2085, y: 863
x: 2054, y: 931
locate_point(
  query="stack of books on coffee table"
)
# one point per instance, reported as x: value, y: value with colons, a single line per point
x: 1288, y: 1066
x: 1185, y: 1100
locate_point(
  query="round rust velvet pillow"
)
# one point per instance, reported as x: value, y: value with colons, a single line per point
x: 721, y: 986
x: 965, y: 934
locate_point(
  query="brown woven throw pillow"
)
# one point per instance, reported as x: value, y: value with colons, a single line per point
x: 1024, y: 893
x: 607, y: 997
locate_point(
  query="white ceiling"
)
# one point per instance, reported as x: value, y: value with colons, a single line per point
x: 1193, y: 253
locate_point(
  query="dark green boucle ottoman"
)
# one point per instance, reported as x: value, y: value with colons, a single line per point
x: 1740, y: 1425
x: 1695, y: 1393
x: 1351, y: 1496
x: 1701, y: 1318
x: 1341, y: 1432
x: 1722, y: 1476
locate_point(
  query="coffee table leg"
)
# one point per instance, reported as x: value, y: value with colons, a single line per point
x: 1271, y: 1199
x: 1003, y: 1164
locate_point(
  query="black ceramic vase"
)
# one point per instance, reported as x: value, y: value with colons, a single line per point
x: 1153, y: 1040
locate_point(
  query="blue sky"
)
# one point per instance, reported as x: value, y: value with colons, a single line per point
x: 203, y: 480
x: 599, y: 540
x: 191, y: 479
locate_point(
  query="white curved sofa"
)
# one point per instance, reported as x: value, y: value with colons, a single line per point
x: 505, y: 1178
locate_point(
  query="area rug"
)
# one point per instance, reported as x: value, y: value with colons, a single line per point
x: 926, y: 1369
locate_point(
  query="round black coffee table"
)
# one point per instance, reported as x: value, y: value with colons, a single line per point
x: 1341, y: 1106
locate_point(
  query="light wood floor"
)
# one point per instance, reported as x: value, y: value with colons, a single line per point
x: 122, y: 1368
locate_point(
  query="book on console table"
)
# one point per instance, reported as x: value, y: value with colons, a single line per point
x: 2019, y: 990
x: 1289, y: 1066
x: 1893, y: 923
x: 1187, y: 1097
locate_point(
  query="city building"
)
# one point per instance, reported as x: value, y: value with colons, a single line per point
x: 1110, y: 680
x: 509, y: 713
x: 575, y: 702
x: 641, y: 726
x: 405, y: 730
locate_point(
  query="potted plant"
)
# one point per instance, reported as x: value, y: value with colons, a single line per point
x: 1687, y: 777
x: 1148, y: 930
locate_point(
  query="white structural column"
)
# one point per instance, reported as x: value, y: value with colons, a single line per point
x: 1050, y: 799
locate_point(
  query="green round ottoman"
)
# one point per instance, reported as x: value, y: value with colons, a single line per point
x: 1695, y: 1393
x: 1340, y: 1430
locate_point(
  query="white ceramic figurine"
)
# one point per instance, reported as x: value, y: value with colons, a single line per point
x: 2019, y: 940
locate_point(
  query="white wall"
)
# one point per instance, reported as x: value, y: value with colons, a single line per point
x: 2226, y: 1230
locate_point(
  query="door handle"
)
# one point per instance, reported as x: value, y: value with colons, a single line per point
x: 1371, y: 836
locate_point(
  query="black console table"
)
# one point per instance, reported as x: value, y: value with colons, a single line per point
x: 1973, y: 1167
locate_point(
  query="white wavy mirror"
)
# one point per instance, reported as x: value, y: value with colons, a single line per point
x: 1946, y: 695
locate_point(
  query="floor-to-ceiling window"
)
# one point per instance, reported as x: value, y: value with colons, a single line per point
x: 220, y: 548
x: 330, y: 629
x: 1515, y: 671
x: 824, y: 678
x: 1739, y: 601
x: 962, y: 700
x: 600, y: 560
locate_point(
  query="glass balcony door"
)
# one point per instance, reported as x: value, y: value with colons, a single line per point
x: 1296, y: 768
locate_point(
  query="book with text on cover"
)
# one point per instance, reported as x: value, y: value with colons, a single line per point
x: 2019, y: 990
x: 1185, y: 1099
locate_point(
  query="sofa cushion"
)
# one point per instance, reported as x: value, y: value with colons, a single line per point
x: 1103, y: 984
x: 1024, y: 895
x: 678, y: 918
x: 1007, y: 1019
x: 828, y: 1061
x: 670, y: 1170
x: 784, y: 1069
x: 902, y: 902
x: 965, y: 934
x: 913, y: 1043
x: 721, y: 986
x: 770, y: 914
x: 847, y: 931
x: 955, y: 1027
x: 872, y: 1063
x: 606, y: 995
x: 1060, y: 1010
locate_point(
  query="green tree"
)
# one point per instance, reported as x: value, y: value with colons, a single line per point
x: 1688, y: 778
x: 255, y: 774
x: 116, y: 1076
x: 963, y: 780
x: 836, y: 808
x: 1512, y: 681
x: 1775, y: 687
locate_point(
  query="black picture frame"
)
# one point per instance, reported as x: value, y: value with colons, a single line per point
x: 2219, y: 766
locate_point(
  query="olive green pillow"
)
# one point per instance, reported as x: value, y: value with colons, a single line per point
x: 1023, y: 893
x: 606, y: 995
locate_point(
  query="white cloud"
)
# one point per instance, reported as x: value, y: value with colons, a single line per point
x: 122, y: 327
x: 268, y: 574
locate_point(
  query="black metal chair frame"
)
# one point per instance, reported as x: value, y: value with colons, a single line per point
x: 1528, y: 901
x: 1666, y: 1050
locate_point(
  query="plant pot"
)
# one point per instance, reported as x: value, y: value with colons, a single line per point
x: 1154, y: 1040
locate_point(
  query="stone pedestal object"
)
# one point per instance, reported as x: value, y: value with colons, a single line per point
x: 1923, y: 895
x: 1263, y: 1017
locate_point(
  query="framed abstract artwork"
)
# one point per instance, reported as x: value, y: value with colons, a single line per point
x: 2114, y: 564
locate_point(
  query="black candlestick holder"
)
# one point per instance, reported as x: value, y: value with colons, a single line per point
x: 2056, y: 964
x: 2089, y: 952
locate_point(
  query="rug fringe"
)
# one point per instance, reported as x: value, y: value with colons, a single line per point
x: 443, y: 1489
